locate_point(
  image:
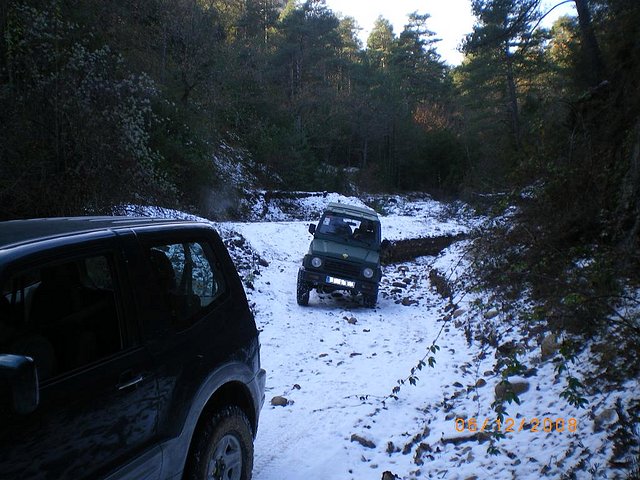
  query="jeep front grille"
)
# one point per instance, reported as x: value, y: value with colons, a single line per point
x: 340, y: 268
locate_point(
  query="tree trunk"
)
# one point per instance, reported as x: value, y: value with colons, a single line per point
x: 365, y: 153
x: 590, y: 47
x: 629, y: 208
x: 513, y: 100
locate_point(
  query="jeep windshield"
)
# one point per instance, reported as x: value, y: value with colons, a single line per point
x: 347, y: 229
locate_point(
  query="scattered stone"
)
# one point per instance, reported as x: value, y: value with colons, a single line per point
x: 352, y: 320
x: 322, y: 355
x: 604, y: 418
x: 389, y: 476
x: 503, y: 388
x: 406, y: 301
x: 262, y: 262
x: 399, y: 284
x: 531, y: 372
x: 481, y: 383
x: 507, y: 349
x: 362, y: 441
x: 489, y: 373
x: 458, y: 312
x: 279, y: 401
x: 441, y: 284
x: 479, y: 437
x: 354, y: 354
x: 420, y: 451
x: 415, y: 440
x: 296, y: 386
x: 493, y: 313
x: 549, y: 346
x: 457, y: 385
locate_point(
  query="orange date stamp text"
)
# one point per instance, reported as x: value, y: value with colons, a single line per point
x: 508, y: 425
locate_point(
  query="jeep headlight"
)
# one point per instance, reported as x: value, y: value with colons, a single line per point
x: 367, y: 272
x: 316, y: 262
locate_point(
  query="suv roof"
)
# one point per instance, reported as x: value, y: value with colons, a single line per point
x: 363, y: 212
x: 17, y: 232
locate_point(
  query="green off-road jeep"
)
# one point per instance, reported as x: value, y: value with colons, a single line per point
x: 344, y: 254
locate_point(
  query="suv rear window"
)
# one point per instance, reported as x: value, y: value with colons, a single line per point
x: 188, y: 278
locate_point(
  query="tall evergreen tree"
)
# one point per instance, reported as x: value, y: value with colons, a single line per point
x: 501, y: 39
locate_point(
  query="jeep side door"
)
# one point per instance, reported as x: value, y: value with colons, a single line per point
x: 71, y: 310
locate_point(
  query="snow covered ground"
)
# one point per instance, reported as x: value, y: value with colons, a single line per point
x: 336, y: 363
x: 337, y: 367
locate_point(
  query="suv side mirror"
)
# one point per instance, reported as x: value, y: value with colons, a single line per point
x: 22, y: 377
x: 312, y: 228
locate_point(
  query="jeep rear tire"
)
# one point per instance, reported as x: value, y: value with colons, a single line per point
x: 303, y: 289
x: 223, y: 448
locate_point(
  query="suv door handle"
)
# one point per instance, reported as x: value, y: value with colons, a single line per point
x: 130, y: 383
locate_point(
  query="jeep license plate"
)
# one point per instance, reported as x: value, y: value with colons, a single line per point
x: 341, y: 282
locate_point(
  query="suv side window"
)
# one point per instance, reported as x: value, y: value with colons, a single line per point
x: 62, y: 314
x: 188, y: 278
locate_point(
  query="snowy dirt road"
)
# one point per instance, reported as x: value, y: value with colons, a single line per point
x: 335, y: 364
x: 325, y: 357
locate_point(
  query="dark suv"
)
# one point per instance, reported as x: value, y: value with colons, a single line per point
x: 343, y: 255
x: 127, y: 350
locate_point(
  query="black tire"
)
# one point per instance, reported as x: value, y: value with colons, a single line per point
x: 223, y: 448
x: 302, y: 291
x: 370, y: 301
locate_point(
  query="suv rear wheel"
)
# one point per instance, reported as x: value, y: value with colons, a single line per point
x: 223, y: 448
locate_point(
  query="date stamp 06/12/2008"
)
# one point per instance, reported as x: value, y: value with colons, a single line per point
x: 507, y: 425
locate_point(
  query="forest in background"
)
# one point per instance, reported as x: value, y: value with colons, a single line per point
x: 184, y: 103
x: 131, y: 101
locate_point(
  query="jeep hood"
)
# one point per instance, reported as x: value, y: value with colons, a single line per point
x: 329, y: 248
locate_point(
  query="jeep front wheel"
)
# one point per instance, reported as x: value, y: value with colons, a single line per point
x: 370, y: 301
x: 223, y: 448
x: 302, y: 291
